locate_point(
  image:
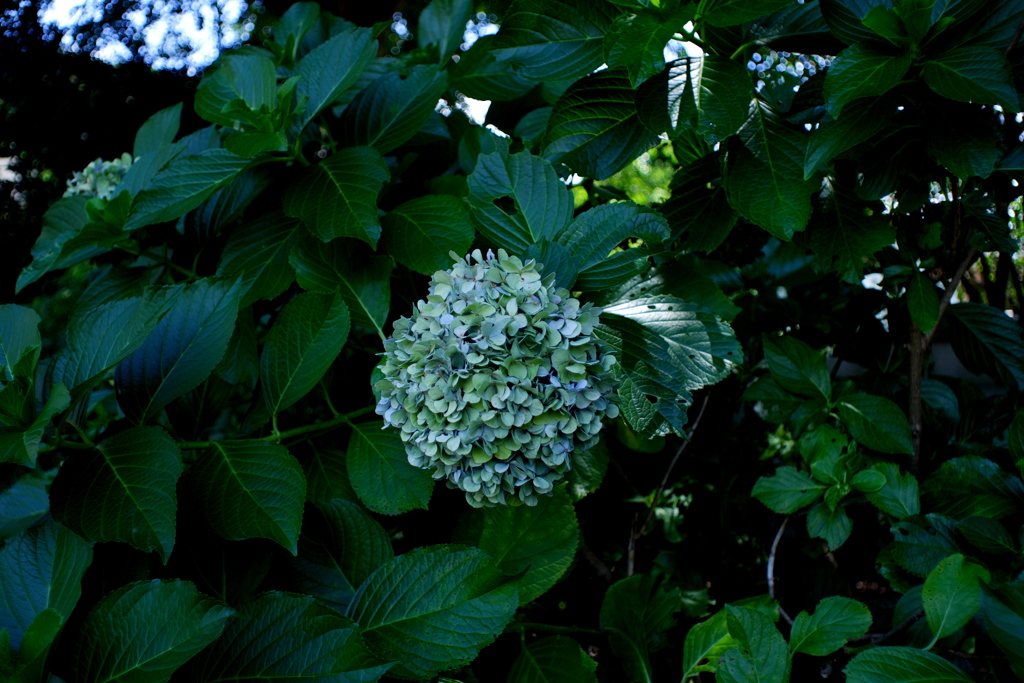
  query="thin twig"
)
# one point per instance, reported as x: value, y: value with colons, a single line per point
x: 947, y: 295
x: 771, y: 568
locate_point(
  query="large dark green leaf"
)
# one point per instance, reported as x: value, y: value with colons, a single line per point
x: 845, y: 18
x: 835, y: 620
x: 146, y: 631
x: 899, y: 495
x: 181, y: 351
x: 555, y: 659
x: 363, y: 282
x: 988, y: 342
x: 721, y: 91
x: 517, y: 200
x: 705, y: 644
x: 732, y: 12
x: 634, y: 612
x: 159, y: 129
x: 443, y: 23
x: 847, y: 237
x: 381, y: 474
x: 183, y: 185
x: 282, y: 637
x: 831, y: 525
x: 972, y: 486
x: 952, y: 594
x: 972, y: 74
x: 481, y: 76
x: 122, y: 490
x: 247, y: 76
x: 20, y: 443
x: 420, y: 233
x: 303, y: 343
x: 250, y: 489
x: 898, y: 664
x: 787, y: 490
x: 258, y: 252
x: 922, y: 542
x: 637, y: 42
x: 876, y: 422
x: 680, y: 277
x: 862, y: 71
x: 594, y: 127
x: 698, y: 208
x: 331, y: 68
x: 225, y: 206
x: 761, y: 654
x: 862, y: 120
x: 547, y: 40
x: 327, y: 477
x: 1005, y: 626
x: 22, y: 504
x: 666, y: 348
x: 410, y: 608
x: 797, y: 367
x: 19, y: 342
x: 391, y: 109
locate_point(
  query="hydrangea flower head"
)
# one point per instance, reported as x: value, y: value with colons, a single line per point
x: 497, y: 379
x: 100, y: 178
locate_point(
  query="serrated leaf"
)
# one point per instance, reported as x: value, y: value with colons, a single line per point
x: 761, y: 654
x: 876, y: 422
x: 362, y: 282
x: 258, y: 252
x: 330, y: 69
x: 973, y: 486
x: 67, y: 238
x: 340, y: 546
x: 698, y: 209
x: 588, y: 470
x: 338, y: 196
x: 183, y: 185
x: 22, y: 504
x: 419, y: 233
x: 548, y: 40
x: 122, y: 490
x: 181, y: 351
x: 381, y: 474
x: 835, y: 620
x: 303, y: 343
x: 637, y: 42
x: 987, y: 535
x: 922, y: 542
x: 732, y: 12
x: 225, y: 206
x: 705, y: 644
x: 797, y: 367
x: 553, y: 259
x: 787, y: 490
x: 410, y: 607
x: 972, y: 73
x: 666, y: 348
x: 764, y: 175
x: 20, y: 445
x: 594, y: 127
x: 555, y: 659
x: 634, y: 611
x: 19, y: 342
x: 1005, y: 626
x: 862, y: 70
x: 146, y: 631
x: 680, y: 277
x: 539, y: 540
x: 923, y: 302
x: 517, y: 200
x: 899, y: 495
x: 831, y: 525
x: 159, y: 129
x: 281, y: 637
x: 42, y: 571
x: 898, y: 664
x: 250, y: 489
x: 443, y: 23
x: 481, y: 76
x: 988, y: 342
x: 245, y: 76
x: 327, y: 477
x: 721, y: 90
x: 390, y: 110
x: 861, y: 120
x: 848, y: 236
x: 845, y: 19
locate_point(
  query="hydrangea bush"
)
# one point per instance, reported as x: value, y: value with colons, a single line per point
x: 100, y: 178
x: 496, y: 379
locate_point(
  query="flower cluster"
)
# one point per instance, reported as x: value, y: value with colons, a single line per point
x: 496, y: 379
x: 100, y: 178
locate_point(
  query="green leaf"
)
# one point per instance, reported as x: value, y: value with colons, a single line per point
x: 634, y: 612
x: 481, y: 76
x: 960, y: 139
x: 327, y: 477
x: 122, y: 490
x: 181, y: 351
x: 637, y: 42
x: 899, y: 664
x: 183, y: 185
x: 705, y: 644
x: 972, y: 486
x: 340, y: 546
x: 159, y: 129
x: 362, y: 282
x: 698, y: 208
x: 250, y: 489
x: 301, y: 346
x: 443, y: 23
x: 1005, y: 626
x: 245, y: 76
x: 67, y: 238
x: 390, y: 110
x: 899, y: 496
x: 21, y: 446
x: 555, y: 659
x: 550, y: 40
x: 553, y: 259
x: 732, y: 12
x: 987, y: 535
x: 594, y: 127
x: 145, y: 631
x: 381, y: 474
x: 797, y: 367
x: 42, y: 571
x: 923, y: 301
x: 410, y: 608
x: 19, y: 342
x: 681, y: 277
x: 833, y: 526
x: 225, y: 206
x: 869, y: 481
x: 988, y: 342
x: 845, y: 19
x: 835, y: 620
x: 787, y: 490
x: 280, y: 637
x: 666, y: 348
x: 588, y: 470
x: 517, y: 200
x: 762, y: 654
x: 972, y: 74
x: 539, y: 540
x: 338, y: 196
x: 862, y: 120
x: 922, y: 542
x: 419, y: 233
x: 764, y: 175
x: 862, y: 70
x: 721, y: 90
x: 295, y: 23
x: 330, y: 69
x: 258, y: 252
x: 250, y: 143
x: 876, y: 422
x: 22, y: 505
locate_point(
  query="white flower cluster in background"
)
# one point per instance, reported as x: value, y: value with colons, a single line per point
x: 100, y: 178
x: 496, y: 379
